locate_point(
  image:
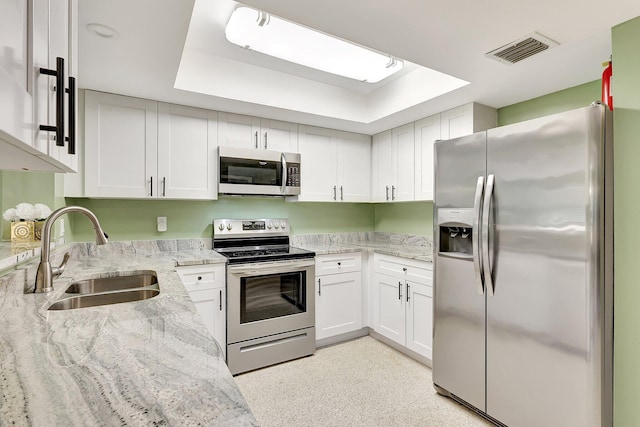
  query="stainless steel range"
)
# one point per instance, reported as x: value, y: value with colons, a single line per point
x: 270, y: 293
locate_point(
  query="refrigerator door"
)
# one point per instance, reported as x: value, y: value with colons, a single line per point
x: 459, y: 309
x: 545, y: 318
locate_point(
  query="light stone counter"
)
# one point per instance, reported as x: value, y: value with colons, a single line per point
x: 140, y: 363
x: 405, y: 246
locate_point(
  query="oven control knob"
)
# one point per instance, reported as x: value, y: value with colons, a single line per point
x: 221, y: 226
x: 283, y: 225
x: 277, y: 225
x: 229, y: 226
x: 269, y: 226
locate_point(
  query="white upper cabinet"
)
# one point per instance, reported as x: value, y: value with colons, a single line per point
x: 403, y: 157
x: 427, y: 131
x: 186, y: 152
x: 120, y: 146
x: 59, y: 31
x: 16, y: 115
x: 466, y: 120
x: 32, y: 35
x: 236, y: 130
x: 335, y: 165
x: 393, y: 165
x: 354, y: 167
x: 137, y: 148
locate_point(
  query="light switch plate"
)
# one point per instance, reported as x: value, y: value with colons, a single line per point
x: 162, y: 223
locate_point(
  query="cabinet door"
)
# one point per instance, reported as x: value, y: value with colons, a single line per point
x: 354, y: 167
x: 338, y: 304
x: 427, y: 131
x: 16, y: 107
x: 186, y: 153
x: 59, y: 33
x: 235, y: 130
x: 278, y: 136
x: 382, y: 169
x: 388, y: 309
x: 121, y: 158
x: 419, y: 317
x: 403, y: 163
x: 319, y: 168
x: 211, y: 305
x: 456, y: 122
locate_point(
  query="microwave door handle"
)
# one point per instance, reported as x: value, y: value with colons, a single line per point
x: 284, y: 173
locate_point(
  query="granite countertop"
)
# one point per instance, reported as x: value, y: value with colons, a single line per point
x: 149, y: 362
x: 411, y: 247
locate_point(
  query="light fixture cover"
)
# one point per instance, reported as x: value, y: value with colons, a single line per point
x: 268, y: 34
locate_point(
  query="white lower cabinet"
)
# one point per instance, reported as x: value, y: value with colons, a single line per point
x: 206, y: 285
x: 403, y: 302
x: 338, y: 294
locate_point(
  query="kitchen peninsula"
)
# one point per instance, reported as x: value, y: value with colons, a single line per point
x: 139, y: 363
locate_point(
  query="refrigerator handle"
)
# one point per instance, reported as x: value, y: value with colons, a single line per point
x: 486, y: 211
x: 475, y: 234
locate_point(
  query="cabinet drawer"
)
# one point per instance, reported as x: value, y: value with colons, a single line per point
x: 401, y: 267
x: 339, y: 263
x: 198, y: 278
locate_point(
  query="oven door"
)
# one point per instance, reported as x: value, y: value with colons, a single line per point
x: 269, y: 298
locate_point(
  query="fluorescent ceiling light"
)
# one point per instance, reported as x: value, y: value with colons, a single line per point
x: 268, y: 34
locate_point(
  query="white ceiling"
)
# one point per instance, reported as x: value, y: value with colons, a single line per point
x: 450, y: 37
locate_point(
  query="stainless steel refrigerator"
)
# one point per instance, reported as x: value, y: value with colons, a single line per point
x: 523, y: 273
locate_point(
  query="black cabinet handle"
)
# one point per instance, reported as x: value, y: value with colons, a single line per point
x: 319, y: 288
x: 400, y: 290
x: 199, y: 277
x: 256, y: 139
x: 164, y: 186
x: 71, y: 148
x: 408, y: 287
x: 59, y: 127
x: 151, y: 186
x: 220, y: 298
x: 265, y: 140
x: 404, y: 269
x: 339, y: 263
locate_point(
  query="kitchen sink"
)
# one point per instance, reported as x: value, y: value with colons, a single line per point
x: 92, y: 300
x: 136, y: 286
x: 106, y: 284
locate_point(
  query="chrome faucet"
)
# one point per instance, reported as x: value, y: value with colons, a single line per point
x: 46, y: 273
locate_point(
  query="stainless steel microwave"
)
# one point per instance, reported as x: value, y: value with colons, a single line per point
x: 258, y: 172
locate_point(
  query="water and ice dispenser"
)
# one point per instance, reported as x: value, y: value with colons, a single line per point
x: 455, y: 228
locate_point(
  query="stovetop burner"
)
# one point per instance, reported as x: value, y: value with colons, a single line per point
x: 246, y: 241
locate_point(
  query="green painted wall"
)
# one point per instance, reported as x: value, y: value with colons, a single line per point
x: 28, y: 187
x: 136, y: 219
x: 405, y: 218
x: 626, y: 92
x: 564, y: 100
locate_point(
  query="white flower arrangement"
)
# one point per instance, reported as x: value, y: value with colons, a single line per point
x: 27, y: 212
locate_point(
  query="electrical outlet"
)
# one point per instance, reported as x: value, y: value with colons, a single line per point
x: 162, y: 223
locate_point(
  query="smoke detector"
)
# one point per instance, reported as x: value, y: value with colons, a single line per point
x: 522, y: 48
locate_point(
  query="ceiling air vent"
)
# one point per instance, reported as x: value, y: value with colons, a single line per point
x: 522, y: 48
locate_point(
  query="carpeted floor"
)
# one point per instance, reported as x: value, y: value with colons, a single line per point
x: 358, y: 383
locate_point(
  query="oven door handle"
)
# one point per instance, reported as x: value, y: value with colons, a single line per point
x: 265, y: 268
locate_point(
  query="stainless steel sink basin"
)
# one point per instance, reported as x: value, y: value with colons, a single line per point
x: 92, y: 300
x: 106, y: 284
x: 136, y: 286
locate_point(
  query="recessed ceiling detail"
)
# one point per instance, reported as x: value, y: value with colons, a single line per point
x: 522, y: 48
